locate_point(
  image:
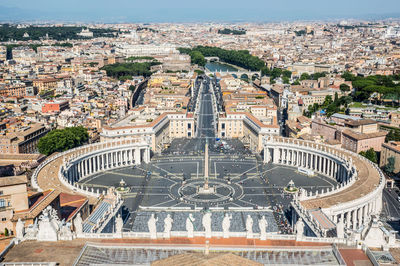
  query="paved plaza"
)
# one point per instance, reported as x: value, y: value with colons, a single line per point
x: 242, y: 185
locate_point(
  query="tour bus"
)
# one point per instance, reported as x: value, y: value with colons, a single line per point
x: 305, y: 171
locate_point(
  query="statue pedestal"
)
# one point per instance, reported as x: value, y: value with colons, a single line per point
x: 206, y: 189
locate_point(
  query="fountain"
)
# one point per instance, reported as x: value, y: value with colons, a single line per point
x: 122, y: 188
x: 291, y: 188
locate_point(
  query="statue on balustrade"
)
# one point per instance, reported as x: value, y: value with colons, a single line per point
x: 340, y: 228
x: 152, y: 226
x: 262, y: 224
x: 65, y: 232
x: 249, y: 226
x: 168, y: 226
x: 206, y: 221
x: 19, y: 229
x: 299, y: 228
x: 226, y: 224
x: 119, y: 224
x: 78, y: 224
x: 189, y: 225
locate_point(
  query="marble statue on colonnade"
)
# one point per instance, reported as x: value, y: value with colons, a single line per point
x: 226, y: 224
x: 340, y: 228
x: 168, y: 226
x: 119, y: 224
x: 189, y: 226
x: 206, y: 221
x: 249, y: 226
x: 65, y: 232
x: 152, y: 226
x: 262, y: 224
x: 78, y: 224
x: 19, y: 229
x: 299, y: 228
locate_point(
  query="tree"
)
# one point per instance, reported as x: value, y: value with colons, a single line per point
x: 389, y: 167
x: 285, y: 80
x: 328, y: 100
x: 276, y: 73
x: 287, y: 74
x: 197, y: 58
x: 344, y: 87
x: 61, y: 140
x: 265, y: 71
x: 370, y: 155
x: 305, y: 76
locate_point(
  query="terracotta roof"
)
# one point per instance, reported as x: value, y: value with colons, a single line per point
x: 42, y: 202
x: 362, y: 136
x: 70, y: 204
x: 360, y: 122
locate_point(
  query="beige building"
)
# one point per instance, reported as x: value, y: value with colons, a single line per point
x: 391, y: 149
x: 357, y: 142
x: 22, y: 140
x: 158, y: 132
x: 246, y: 127
x: 13, y: 198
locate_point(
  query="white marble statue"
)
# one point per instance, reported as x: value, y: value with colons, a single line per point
x: 226, y: 224
x: 65, y: 232
x: 152, y: 226
x: 206, y: 221
x: 119, y: 224
x: 189, y: 225
x: 78, y: 224
x: 340, y: 228
x: 168, y: 226
x: 19, y: 229
x: 32, y: 231
x: 299, y: 228
x: 48, y: 227
x: 249, y: 226
x: 262, y: 224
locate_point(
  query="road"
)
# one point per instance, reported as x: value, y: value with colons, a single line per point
x: 391, y: 205
x: 206, y: 119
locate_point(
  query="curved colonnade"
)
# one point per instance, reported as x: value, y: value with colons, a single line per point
x: 353, y: 201
x: 82, y: 162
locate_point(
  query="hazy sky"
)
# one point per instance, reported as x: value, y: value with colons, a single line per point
x: 202, y: 10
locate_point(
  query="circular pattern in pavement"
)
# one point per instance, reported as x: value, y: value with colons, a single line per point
x: 189, y: 192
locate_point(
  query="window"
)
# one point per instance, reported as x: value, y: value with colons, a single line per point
x: 3, y: 219
x: 1, y: 192
x: 223, y: 125
x: 2, y: 203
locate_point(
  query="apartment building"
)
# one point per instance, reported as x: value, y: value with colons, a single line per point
x: 57, y: 107
x: 22, y: 139
x: 3, y: 53
x: 15, y: 90
x: 391, y: 149
x: 45, y: 84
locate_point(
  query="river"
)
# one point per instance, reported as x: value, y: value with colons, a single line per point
x: 217, y: 67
